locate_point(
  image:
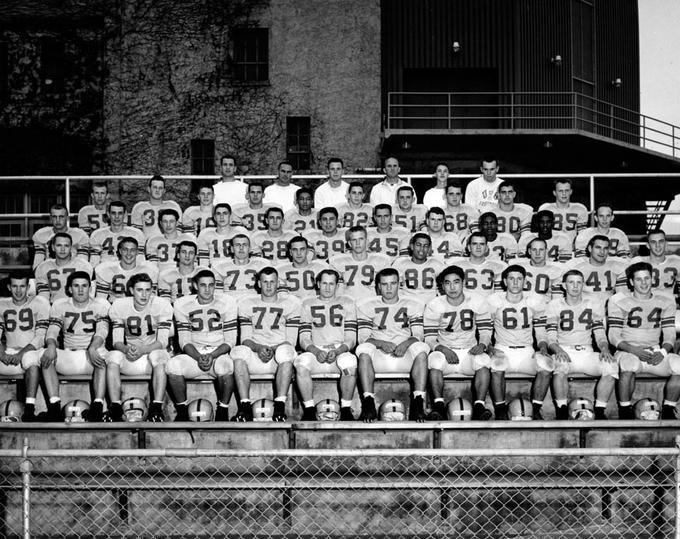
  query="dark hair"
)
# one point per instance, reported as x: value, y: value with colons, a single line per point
x: 137, y: 278
x: 221, y: 205
x: 327, y: 209
x: 453, y: 183
x: 126, y: 239
x: 335, y: 160
x: 591, y: 242
x: 353, y: 229
x: 285, y: 162
x: 100, y: 184
x: 563, y: 180
x: 61, y: 235
x: 571, y: 272
x: 157, y: 178
x: 356, y: 184
x: 634, y: 268
x: 296, y: 239
x: 450, y: 270
x: 19, y: 274
x: 382, y: 207
x: 489, y: 159
x: 303, y: 191
x: 203, y: 273
x: 435, y: 210
x: 326, y: 271
x: 255, y: 184
x: 420, y: 236
x: 118, y: 204
x: 167, y: 211
x: 76, y: 275
x: 227, y: 156
x: 187, y: 243
x: 406, y: 188
x: 513, y: 268
x: 271, y: 210
x: 58, y: 207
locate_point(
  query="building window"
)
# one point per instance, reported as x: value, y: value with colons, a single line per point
x: 251, y: 54
x: 202, y: 157
x: 4, y: 71
x: 298, y: 150
x: 52, y: 65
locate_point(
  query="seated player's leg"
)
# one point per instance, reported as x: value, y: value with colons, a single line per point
x: 223, y: 367
x: 365, y: 353
x: 177, y: 369
x: 242, y: 357
x: 545, y: 365
x: 284, y: 356
x: 74, y: 362
x: 419, y: 352
x: 158, y: 359
x: 117, y: 363
x: 51, y: 380
x: 30, y: 366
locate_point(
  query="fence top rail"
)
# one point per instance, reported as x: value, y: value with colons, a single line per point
x: 344, y: 453
x: 575, y: 175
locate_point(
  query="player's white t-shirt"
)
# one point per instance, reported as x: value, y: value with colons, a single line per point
x: 196, y: 218
x: 357, y: 277
x: 292, y: 220
x: 599, y: 281
x: 301, y: 281
x: 283, y: 195
x: 172, y: 284
x: 618, y: 241
x: 91, y: 219
x: 80, y: 246
x: 410, y: 220
x: 50, y: 279
x: 214, y: 245
x: 326, y: 195
x: 574, y: 325
x: 482, y: 195
x: 392, y: 322
x: 233, y: 192
x: 162, y: 251
x: 104, y: 243
x: 484, y: 278
x: 270, y: 323
x: 327, y: 246
x: 112, y: 278
x: 515, y: 323
x: 571, y: 219
x: 389, y: 243
x: 461, y: 219
x: 559, y: 246
x: 542, y: 280
x: 516, y: 221
x: 420, y: 279
x: 78, y: 323
x: 349, y: 216
x: 239, y: 277
x: 641, y: 322
x: 144, y: 215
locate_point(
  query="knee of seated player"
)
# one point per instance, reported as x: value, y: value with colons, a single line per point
x: 418, y: 348
x: 499, y: 361
x: 481, y: 361
x: 609, y: 369
x: 347, y: 363
x: 436, y: 360
x: 31, y: 359
x: 285, y: 353
x: 223, y: 365
x: 674, y: 363
x: 175, y: 365
x: 366, y: 349
x: 545, y: 363
x: 305, y: 361
x: 115, y: 357
x: 158, y: 357
x: 241, y: 353
x: 627, y: 362
x: 560, y: 367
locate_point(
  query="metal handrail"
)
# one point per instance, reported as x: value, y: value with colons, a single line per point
x: 583, y: 113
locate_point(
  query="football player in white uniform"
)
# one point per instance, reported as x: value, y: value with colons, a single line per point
x: 452, y: 323
x: 94, y: 216
x: 501, y: 245
x: 572, y: 323
x: 386, y: 238
x: 642, y: 328
x: 570, y: 217
x: 144, y: 214
x: 600, y: 272
x: 269, y: 330
x: 390, y: 336
x: 618, y: 241
x: 214, y: 244
x: 196, y: 218
x: 355, y: 212
x: 358, y: 268
x: 23, y: 323
x: 176, y: 282
x: 52, y: 274
x: 112, y: 276
x: 161, y: 249
x: 303, y: 215
x: 141, y: 326
x: 82, y: 321
x: 206, y: 328
x: 327, y: 240
x: 328, y: 335
x: 444, y: 244
x: 298, y: 276
x: 514, y: 219
x: 418, y: 271
x: 43, y: 237
x: 559, y: 243
x: 104, y: 241
x: 405, y: 213
x: 272, y: 243
x: 482, y: 274
x: 238, y: 273
x: 460, y: 218
x: 543, y: 278
x: 516, y: 317
x: 251, y: 214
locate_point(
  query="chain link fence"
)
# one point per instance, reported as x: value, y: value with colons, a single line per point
x: 424, y: 493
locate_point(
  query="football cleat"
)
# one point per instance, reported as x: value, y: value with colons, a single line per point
x: 114, y: 414
x: 96, y: 412
x: 222, y: 413
x: 481, y: 412
x: 438, y: 412
x: 54, y: 413
x: 536, y: 411
x: 245, y: 412
x: 600, y: 413
x: 346, y: 414
x: 501, y: 411
x: 29, y: 413
x: 417, y: 409
x: 626, y: 412
x: 156, y: 413
x: 562, y: 413
x: 182, y: 412
x: 668, y: 412
x: 308, y: 413
x: 279, y: 412
x: 368, y: 411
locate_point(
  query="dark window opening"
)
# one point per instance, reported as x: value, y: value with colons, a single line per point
x: 251, y: 54
x: 298, y: 147
x: 202, y: 157
x: 4, y: 71
x: 52, y: 65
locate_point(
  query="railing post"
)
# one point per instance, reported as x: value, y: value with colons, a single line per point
x: 573, y: 107
x: 644, y: 132
x: 592, y: 200
x: 677, y: 489
x: 611, y: 121
x: 450, y: 111
x: 673, y: 139
x: 26, y: 468
x: 67, y: 194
